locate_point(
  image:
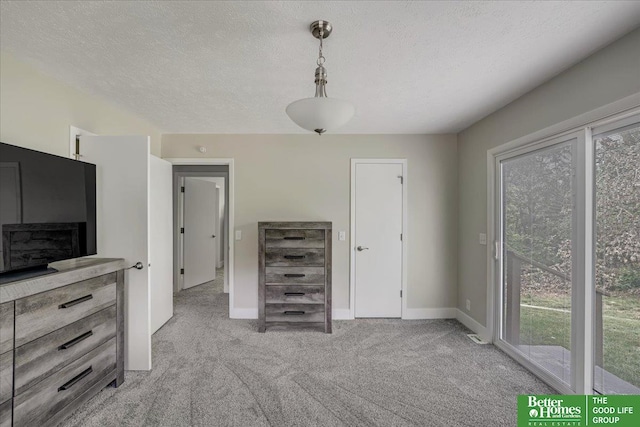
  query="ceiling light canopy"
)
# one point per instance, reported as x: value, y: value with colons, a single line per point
x: 320, y: 113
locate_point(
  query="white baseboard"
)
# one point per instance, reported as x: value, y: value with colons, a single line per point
x: 429, y: 313
x: 472, y: 324
x: 243, y: 313
x: 341, y: 314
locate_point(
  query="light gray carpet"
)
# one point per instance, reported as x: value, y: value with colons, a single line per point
x: 209, y: 370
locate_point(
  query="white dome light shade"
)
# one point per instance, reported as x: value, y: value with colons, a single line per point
x: 320, y: 113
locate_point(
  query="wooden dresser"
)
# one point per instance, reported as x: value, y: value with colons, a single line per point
x: 294, y: 275
x: 61, y: 340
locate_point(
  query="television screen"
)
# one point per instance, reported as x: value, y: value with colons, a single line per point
x: 47, y: 208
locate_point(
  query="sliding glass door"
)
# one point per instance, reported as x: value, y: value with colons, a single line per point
x: 537, y: 230
x: 617, y: 269
x: 567, y: 259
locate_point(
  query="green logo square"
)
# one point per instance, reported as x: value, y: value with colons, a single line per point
x: 578, y: 410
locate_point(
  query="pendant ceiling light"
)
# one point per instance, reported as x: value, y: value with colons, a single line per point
x: 320, y: 112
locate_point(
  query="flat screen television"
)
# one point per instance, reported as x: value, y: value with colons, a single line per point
x: 47, y: 209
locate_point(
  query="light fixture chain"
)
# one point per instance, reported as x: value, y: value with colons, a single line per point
x: 321, y: 58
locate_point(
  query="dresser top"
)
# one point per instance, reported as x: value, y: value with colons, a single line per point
x: 69, y: 271
x: 309, y: 225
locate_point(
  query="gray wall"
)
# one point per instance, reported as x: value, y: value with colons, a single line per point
x: 307, y: 177
x: 610, y: 74
x: 37, y: 111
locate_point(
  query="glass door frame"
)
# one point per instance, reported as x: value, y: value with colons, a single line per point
x: 593, y: 131
x: 575, y: 140
x: 583, y: 262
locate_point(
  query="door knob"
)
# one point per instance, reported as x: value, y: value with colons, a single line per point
x: 213, y: 235
x: 362, y: 248
x: 138, y: 266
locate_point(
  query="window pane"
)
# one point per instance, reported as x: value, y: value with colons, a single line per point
x: 617, y: 340
x: 537, y: 226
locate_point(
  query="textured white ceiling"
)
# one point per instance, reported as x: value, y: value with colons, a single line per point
x: 232, y: 67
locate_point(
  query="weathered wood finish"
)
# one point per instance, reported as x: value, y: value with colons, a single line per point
x: 69, y: 271
x: 53, y: 345
x: 327, y: 276
x: 120, y: 328
x: 6, y: 327
x: 27, y: 245
x: 36, y: 405
x: 262, y: 278
x: 296, y: 225
x: 294, y: 313
x: 298, y: 326
x: 40, y: 358
x: 295, y: 275
x: 294, y: 238
x: 6, y: 412
x: 291, y: 257
x: 292, y: 294
x: 40, y: 314
x: 98, y: 385
x: 6, y: 376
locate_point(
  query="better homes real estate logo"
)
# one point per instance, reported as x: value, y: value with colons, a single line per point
x: 578, y: 411
x: 552, y: 410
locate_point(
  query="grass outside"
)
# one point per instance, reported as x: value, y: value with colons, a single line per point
x: 621, y: 325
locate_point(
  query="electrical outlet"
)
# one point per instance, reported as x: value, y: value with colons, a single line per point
x: 468, y: 305
x: 238, y: 234
x: 482, y: 239
x: 342, y: 236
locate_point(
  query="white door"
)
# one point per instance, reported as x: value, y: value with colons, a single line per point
x: 122, y: 183
x: 220, y: 235
x: 200, y: 241
x: 160, y: 241
x: 378, y: 244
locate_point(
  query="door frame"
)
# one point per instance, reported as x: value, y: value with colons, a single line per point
x: 352, y: 231
x: 179, y: 161
x: 579, y: 330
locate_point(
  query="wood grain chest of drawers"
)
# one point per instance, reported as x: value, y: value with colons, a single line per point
x: 294, y: 277
x: 64, y: 333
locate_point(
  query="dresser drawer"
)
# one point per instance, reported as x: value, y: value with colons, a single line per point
x: 6, y: 327
x: 44, y: 356
x: 294, y: 312
x: 294, y: 238
x: 295, y: 294
x: 290, y: 257
x: 43, y: 313
x: 5, y: 413
x: 43, y: 400
x: 294, y: 275
x: 6, y: 376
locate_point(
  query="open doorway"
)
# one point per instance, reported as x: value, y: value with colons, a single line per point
x: 201, y: 226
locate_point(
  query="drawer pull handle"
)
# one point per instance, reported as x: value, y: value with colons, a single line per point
x: 295, y: 256
x: 294, y: 294
x: 76, y: 301
x: 74, y: 380
x: 294, y: 313
x: 294, y: 275
x: 75, y: 341
x: 294, y: 238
